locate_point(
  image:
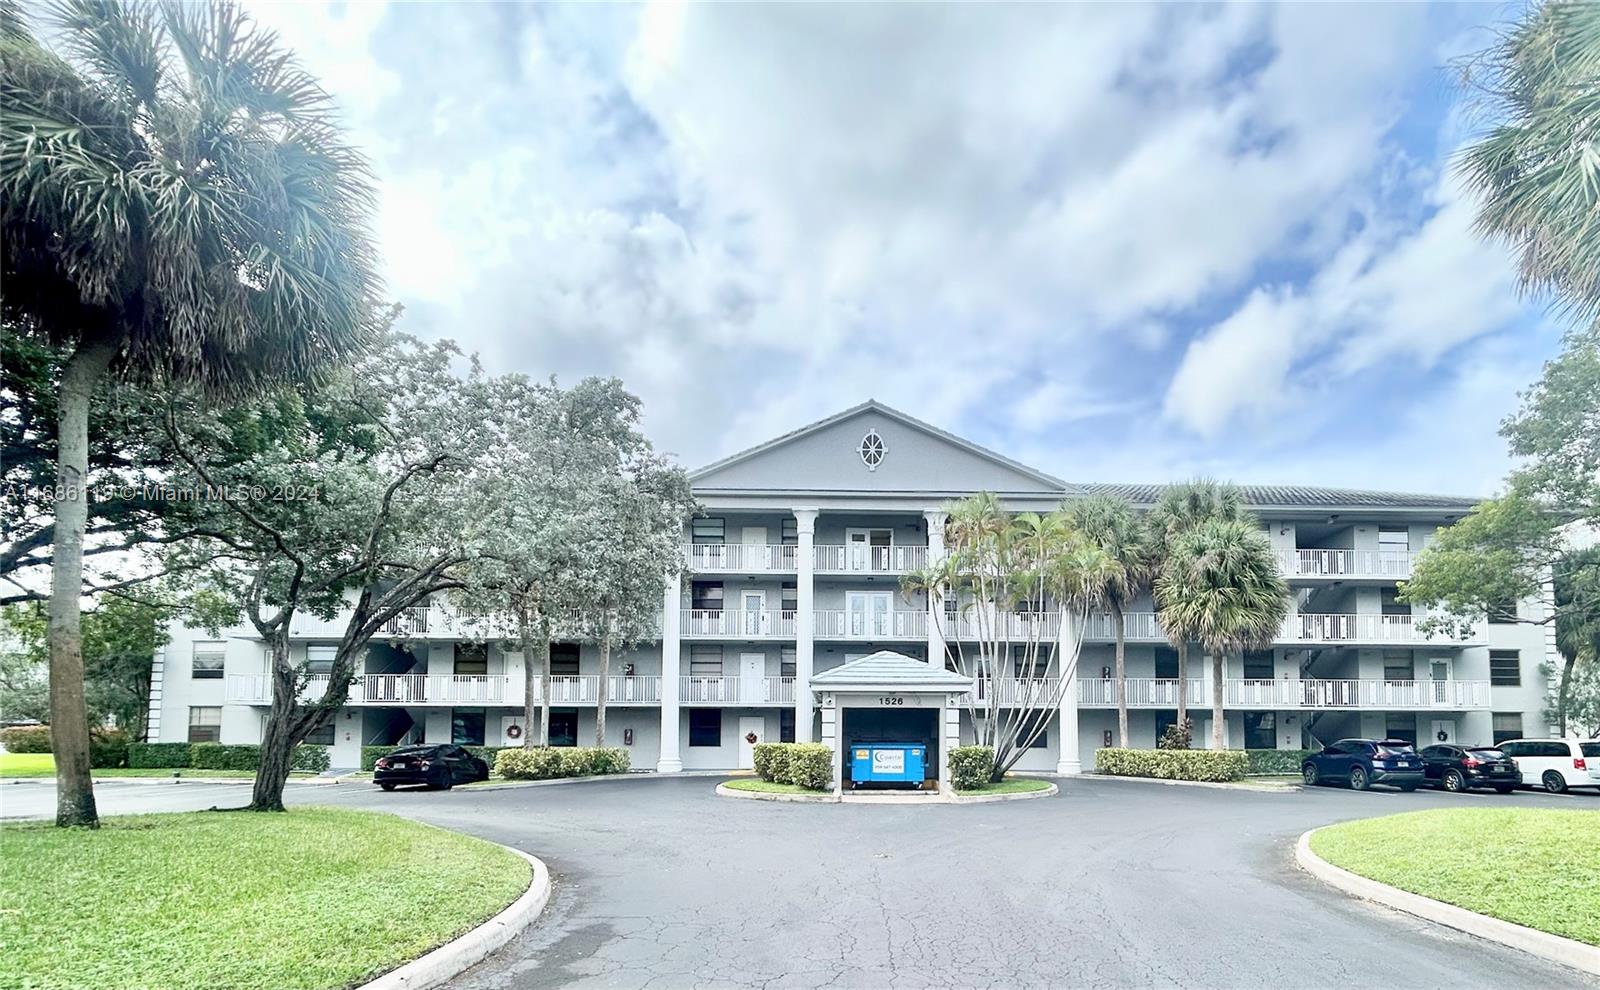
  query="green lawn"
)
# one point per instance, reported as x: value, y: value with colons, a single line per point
x: 1532, y: 866
x: 767, y: 786
x: 44, y: 765
x: 1011, y: 785
x: 319, y: 898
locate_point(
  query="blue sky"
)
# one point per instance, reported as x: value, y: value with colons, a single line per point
x: 1120, y: 243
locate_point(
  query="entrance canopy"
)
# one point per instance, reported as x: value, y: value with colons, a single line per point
x: 887, y: 691
x: 889, y: 672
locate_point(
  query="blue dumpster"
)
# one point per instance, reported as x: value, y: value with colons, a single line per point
x: 888, y: 763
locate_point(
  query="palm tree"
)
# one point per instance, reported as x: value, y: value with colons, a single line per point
x: 1112, y: 525
x: 1221, y: 587
x: 182, y: 209
x: 1182, y: 508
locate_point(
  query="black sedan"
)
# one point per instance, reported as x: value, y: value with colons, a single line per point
x: 1460, y: 768
x: 439, y: 767
x: 1364, y: 762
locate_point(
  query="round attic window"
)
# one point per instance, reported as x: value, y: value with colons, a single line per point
x: 872, y: 450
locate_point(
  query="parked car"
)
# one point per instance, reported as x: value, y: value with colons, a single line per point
x: 1460, y: 768
x: 1555, y: 764
x: 1364, y: 762
x: 440, y: 767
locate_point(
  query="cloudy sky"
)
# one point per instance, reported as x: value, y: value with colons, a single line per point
x: 1119, y: 243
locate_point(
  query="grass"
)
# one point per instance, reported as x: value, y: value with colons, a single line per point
x: 26, y: 765
x: 310, y: 899
x: 767, y: 786
x: 1011, y: 785
x: 1531, y: 866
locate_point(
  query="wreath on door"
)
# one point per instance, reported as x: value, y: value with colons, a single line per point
x: 513, y: 732
x: 1443, y: 736
x: 750, y: 737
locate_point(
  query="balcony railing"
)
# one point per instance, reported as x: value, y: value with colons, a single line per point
x: 706, y: 690
x: 1305, y: 627
x: 841, y: 624
x: 855, y: 558
x: 754, y: 558
x: 1281, y: 694
x: 765, y: 623
x: 1143, y: 692
x: 1346, y: 563
x: 1036, y: 692
x: 974, y: 624
x: 461, y: 689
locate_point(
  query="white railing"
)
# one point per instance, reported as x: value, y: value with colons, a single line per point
x: 256, y: 689
x: 1143, y: 692
x: 461, y: 689
x: 744, y: 557
x: 1355, y: 693
x: 1035, y: 692
x: 856, y: 558
x: 971, y: 624
x: 1136, y: 627
x: 765, y: 623
x: 840, y: 624
x: 1346, y: 563
x: 734, y: 690
x: 1311, y: 627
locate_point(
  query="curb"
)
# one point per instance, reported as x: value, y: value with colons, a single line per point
x: 168, y: 781
x: 1243, y: 785
x: 452, y: 958
x: 723, y: 790
x: 1050, y: 791
x: 1556, y: 948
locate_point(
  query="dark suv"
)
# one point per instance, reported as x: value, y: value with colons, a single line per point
x: 1364, y: 762
x: 1459, y: 768
x: 439, y: 767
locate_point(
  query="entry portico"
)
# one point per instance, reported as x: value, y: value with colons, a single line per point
x: 895, y: 689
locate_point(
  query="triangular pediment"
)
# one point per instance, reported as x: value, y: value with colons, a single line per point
x: 889, y: 670
x: 903, y: 454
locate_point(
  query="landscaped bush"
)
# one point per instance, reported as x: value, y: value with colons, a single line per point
x: 108, y: 750
x: 158, y: 756
x: 970, y: 766
x: 1178, y: 735
x: 763, y: 759
x: 311, y: 759
x: 216, y: 756
x: 370, y: 755
x: 1265, y: 761
x: 550, y: 762
x: 808, y: 765
x: 778, y: 763
x: 1173, y: 764
x: 26, y: 739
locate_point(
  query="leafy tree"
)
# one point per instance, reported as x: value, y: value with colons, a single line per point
x: 181, y: 208
x: 1113, y: 526
x: 1574, y: 699
x: 1221, y: 587
x: 1181, y: 508
x: 997, y: 562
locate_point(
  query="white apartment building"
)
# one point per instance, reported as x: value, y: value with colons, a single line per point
x: 793, y: 572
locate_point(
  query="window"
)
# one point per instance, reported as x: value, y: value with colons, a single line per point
x: 1507, y: 725
x: 1394, y: 539
x: 789, y: 532
x: 1260, y: 730
x: 1505, y: 668
x: 208, y: 661
x: 321, y: 737
x: 563, y: 727
x: 705, y: 727
x: 205, y: 724
x: 472, y: 658
x: 1258, y: 665
x: 708, y: 529
x: 705, y: 595
x: 1019, y: 662
x: 1392, y: 605
x: 1399, y: 665
x: 1167, y: 667
x: 786, y: 663
x: 789, y: 599
x: 705, y: 660
x: 1503, y: 613
x: 786, y: 725
x: 1040, y: 721
x: 319, y: 659
x: 563, y: 659
x: 1401, y: 727
x: 466, y: 726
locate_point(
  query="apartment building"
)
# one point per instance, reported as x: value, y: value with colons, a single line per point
x: 789, y: 623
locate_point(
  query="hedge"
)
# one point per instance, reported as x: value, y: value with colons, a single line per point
x: 550, y: 762
x: 159, y: 756
x: 108, y: 750
x: 808, y: 765
x: 26, y: 739
x: 1265, y: 761
x: 970, y: 767
x: 216, y: 756
x: 1173, y: 764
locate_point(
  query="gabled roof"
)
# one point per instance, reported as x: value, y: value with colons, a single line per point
x: 889, y: 669
x: 1297, y: 496
x: 873, y: 405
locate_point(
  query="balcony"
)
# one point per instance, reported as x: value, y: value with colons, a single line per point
x: 701, y: 690
x: 840, y: 624
x: 426, y: 621
x: 1289, y: 694
x: 765, y: 623
x: 1379, y: 565
x: 1038, y: 692
x: 1143, y: 692
x: 740, y: 558
x: 460, y: 689
x: 979, y: 625
x: 859, y: 559
x: 1305, y: 627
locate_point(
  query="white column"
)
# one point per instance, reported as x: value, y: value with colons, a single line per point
x: 950, y: 716
x: 830, y: 738
x: 804, y: 644
x: 934, y: 520
x: 1067, y: 759
x: 669, y: 760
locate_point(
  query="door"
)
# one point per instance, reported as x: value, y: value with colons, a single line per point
x: 1439, y: 674
x: 753, y: 540
x: 753, y: 612
x: 868, y: 549
x: 1443, y: 731
x: 751, y: 731
x: 752, y: 677
x: 868, y: 613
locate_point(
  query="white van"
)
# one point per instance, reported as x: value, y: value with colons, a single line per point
x: 1555, y: 764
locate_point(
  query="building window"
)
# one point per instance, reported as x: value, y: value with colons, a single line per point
x: 1258, y: 665
x: 708, y: 529
x: 205, y: 724
x: 789, y: 532
x: 472, y: 658
x: 322, y: 736
x: 1507, y: 725
x: 1505, y: 668
x: 466, y: 726
x: 705, y: 727
x: 786, y: 663
x: 1040, y: 721
x: 1260, y: 730
x: 1020, y: 667
x: 786, y: 725
x: 1503, y: 613
x: 789, y: 597
x: 563, y: 727
x: 1166, y: 666
x: 1401, y: 727
x: 563, y: 659
x: 705, y: 595
x: 1399, y: 666
x: 705, y: 660
x: 1394, y: 539
x: 319, y: 659
x: 1392, y: 605
x: 208, y: 661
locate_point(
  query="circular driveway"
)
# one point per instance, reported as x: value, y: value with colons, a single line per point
x: 1111, y: 883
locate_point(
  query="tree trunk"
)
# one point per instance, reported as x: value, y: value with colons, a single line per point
x: 1216, y: 701
x: 530, y: 679
x: 1183, y: 682
x: 544, y: 665
x: 1561, y: 692
x: 600, y: 692
x: 277, y: 739
x: 1117, y: 628
x: 69, y: 717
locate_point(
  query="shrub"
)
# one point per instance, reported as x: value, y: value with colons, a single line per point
x: 216, y: 756
x: 547, y: 762
x: 763, y: 759
x: 1178, y: 735
x: 970, y: 766
x: 26, y: 739
x: 311, y: 759
x: 1173, y: 764
x: 158, y: 756
x: 810, y: 766
x: 780, y: 761
x: 1264, y: 761
x: 371, y: 754
x: 108, y: 749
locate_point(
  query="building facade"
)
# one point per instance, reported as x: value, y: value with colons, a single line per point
x: 794, y: 571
